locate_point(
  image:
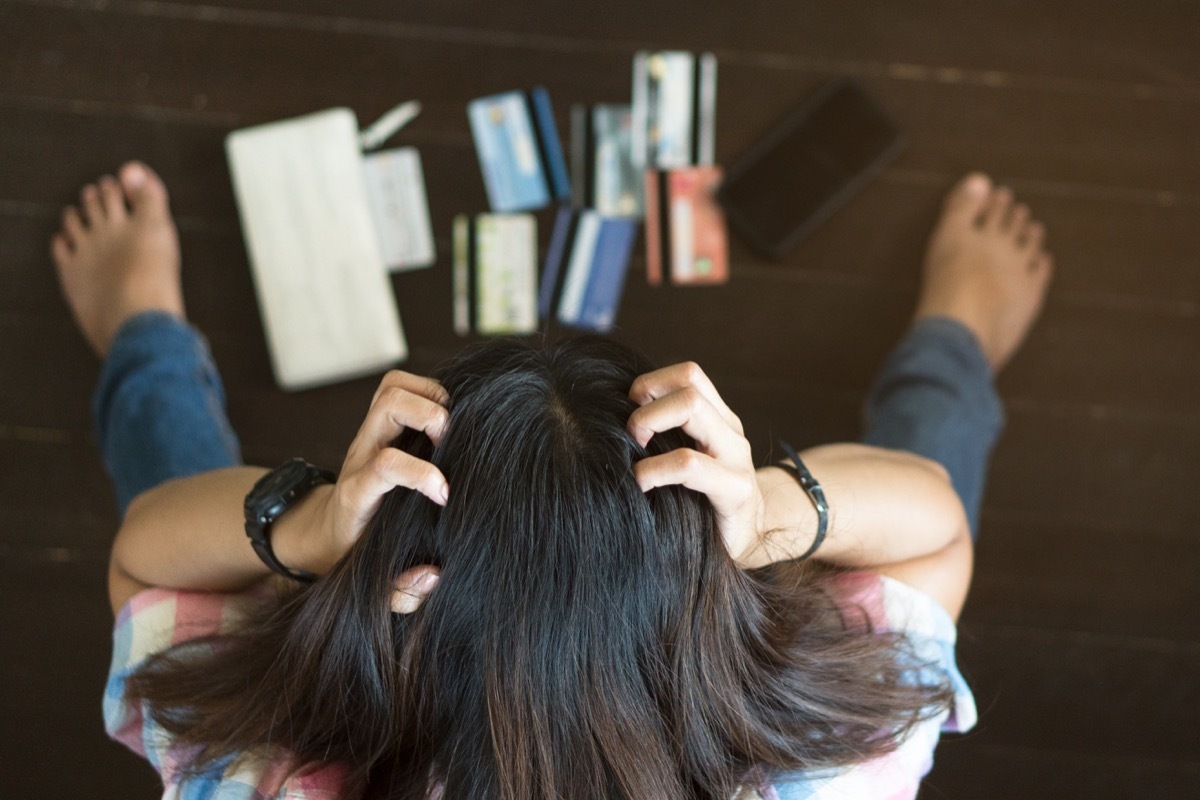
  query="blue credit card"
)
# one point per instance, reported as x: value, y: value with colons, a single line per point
x: 519, y: 150
x: 585, y: 269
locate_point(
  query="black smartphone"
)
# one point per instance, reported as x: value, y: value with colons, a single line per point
x: 808, y: 167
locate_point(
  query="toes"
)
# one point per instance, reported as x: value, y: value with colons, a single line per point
x: 60, y: 248
x: 73, y: 225
x: 996, y: 212
x: 1018, y: 220
x: 969, y: 195
x: 91, y: 205
x: 111, y: 198
x: 1034, y: 236
x: 146, y: 192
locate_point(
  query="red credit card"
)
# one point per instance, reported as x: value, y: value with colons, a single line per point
x: 685, y: 227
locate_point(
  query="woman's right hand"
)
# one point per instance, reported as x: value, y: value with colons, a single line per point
x: 373, y: 467
x: 720, y: 466
x: 189, y: 533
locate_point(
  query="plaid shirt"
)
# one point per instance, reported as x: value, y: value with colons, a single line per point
x: 158, y: 618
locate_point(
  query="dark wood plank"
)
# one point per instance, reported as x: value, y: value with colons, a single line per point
x: 1136, y: 581
x: 185, y: 152
x: 1119, y: 697
x: 1106, y: 474
x: 56, y: 496
x: 1113, y: 256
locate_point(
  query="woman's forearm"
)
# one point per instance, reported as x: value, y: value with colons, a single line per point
x: 189, y: 533
x: 885, y: 507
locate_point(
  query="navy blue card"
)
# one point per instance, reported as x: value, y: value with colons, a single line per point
x: 584, y: 273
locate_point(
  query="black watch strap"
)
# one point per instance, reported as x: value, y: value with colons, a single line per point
x: 815, y: 494
x: 273, y: 494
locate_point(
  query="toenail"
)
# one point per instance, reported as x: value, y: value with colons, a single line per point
x: 976, y: 184
x: 134, y: 175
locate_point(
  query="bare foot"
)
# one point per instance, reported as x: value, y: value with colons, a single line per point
x: 986, y: 267
x: 117, y: 254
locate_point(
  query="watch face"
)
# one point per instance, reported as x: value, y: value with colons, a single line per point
x: 271, y: 496
x: 285, y: 477
x: 267, y: 499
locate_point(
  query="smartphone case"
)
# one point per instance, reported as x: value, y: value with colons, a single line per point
x: 850, y: 186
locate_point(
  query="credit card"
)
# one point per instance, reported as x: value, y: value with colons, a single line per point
x: 519, y: 150
x: 463, y: 274
x: 674, y: 109
x: 554, y: 270
x: 686, y: 239
x: 495, y: 274
x: 603, y: 173
x: 396, y: 193
x: 585, y: 269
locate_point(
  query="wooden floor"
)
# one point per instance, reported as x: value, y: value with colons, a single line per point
x: 1082, y: 635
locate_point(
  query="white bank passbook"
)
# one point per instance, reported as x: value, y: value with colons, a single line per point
x: 323, y: 289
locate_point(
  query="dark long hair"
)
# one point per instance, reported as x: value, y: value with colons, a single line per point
x: 586, y: 640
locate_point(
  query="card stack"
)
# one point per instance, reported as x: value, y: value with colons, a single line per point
x: 685, y: 228
x: 674, y: 120
x: 584, y: 273
x: 674, y: 109
x: 495, y: 255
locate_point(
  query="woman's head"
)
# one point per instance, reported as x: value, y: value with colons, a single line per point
x: 586, y: 639
x: 567, y: 595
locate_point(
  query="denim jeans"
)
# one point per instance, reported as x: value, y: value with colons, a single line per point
x: 160, y: 408
x: 934, y: 397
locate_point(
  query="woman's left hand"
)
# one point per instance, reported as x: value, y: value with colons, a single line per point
x: 720, y: 466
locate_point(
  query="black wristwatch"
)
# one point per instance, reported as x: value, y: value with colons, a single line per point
x: 273, y: 494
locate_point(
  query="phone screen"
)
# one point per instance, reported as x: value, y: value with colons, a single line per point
x: 808, y: 166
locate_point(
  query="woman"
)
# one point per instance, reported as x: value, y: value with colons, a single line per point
x: 589, y: 591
